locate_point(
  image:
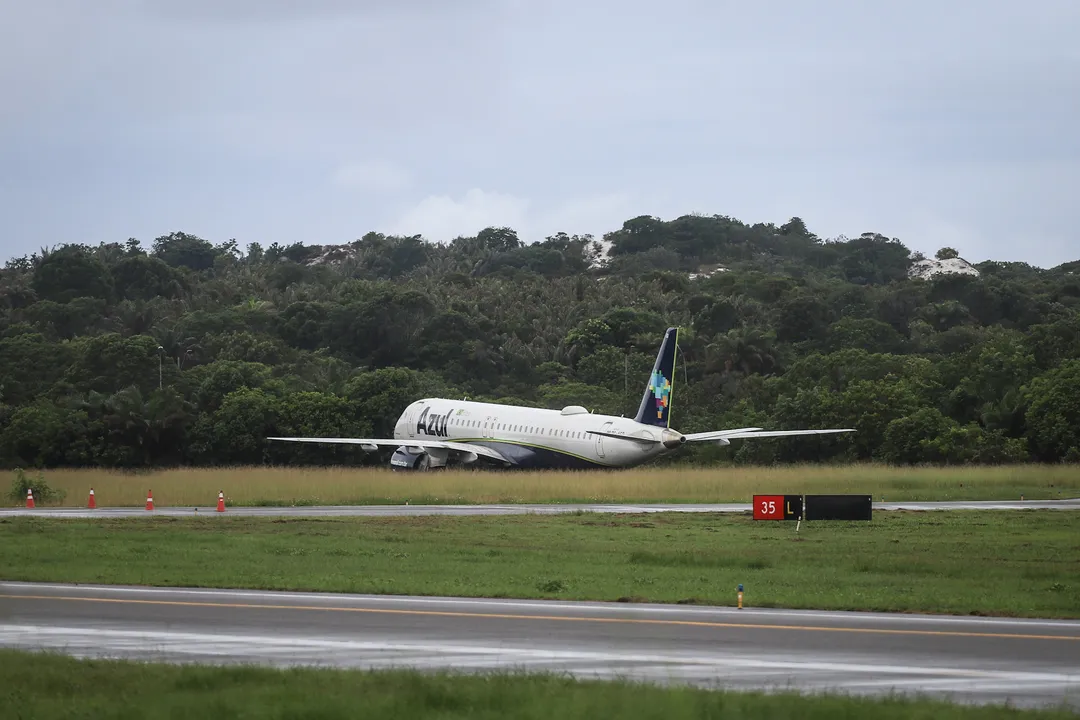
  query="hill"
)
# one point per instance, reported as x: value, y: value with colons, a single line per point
x: 191, y: 353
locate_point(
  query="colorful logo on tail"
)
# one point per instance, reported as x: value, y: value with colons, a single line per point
x: 660, y: 387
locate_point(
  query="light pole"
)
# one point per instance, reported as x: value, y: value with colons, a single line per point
x: 160, y: 351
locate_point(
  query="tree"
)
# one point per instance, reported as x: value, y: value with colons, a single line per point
x: 1053, y: 411
x: 29, y: 366
x: 873, y: 259
x: 795, y: 226
x: 380, y: 396
x: 501, y: 239
x: 802, y: 316
x: 788, y: 331
x: 946, y: 253
x: 139, y: 277
x: 71, y: 272
x: 179, y: 249
x: 908, y: 439
x: 869, y: 334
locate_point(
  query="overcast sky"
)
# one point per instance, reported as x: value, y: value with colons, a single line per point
x: 940, y: 122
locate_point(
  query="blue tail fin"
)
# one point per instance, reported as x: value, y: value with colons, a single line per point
x: 655, y: 406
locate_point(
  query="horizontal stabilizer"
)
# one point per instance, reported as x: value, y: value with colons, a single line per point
x: 716, y: 435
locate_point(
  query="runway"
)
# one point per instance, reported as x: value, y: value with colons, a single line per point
x: 506, y: 509
x: 968, y: 659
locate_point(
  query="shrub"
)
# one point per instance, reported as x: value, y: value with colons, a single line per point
x: 43, y: 492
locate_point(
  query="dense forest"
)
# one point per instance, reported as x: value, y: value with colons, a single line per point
x: 192, y: 353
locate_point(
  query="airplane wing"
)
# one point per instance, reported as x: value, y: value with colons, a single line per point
x: 722, y: 436
x: 372, y: 444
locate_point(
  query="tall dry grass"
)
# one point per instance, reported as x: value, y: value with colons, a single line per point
x: 331, y: 486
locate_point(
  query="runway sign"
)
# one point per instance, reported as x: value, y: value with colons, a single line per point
x: 777, y: 507
x: 839, y: 507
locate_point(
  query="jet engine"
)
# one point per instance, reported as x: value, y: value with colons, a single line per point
x: 403, y: 459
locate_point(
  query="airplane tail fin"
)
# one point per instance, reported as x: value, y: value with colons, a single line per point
x: 655, y: 408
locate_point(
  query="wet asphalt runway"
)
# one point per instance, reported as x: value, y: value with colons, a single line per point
x: 968, y: 659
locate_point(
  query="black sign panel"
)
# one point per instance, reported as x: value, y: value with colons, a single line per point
x: 839, y: 507
x: 792, y: 507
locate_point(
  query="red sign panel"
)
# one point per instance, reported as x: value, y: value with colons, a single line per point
x: 768, y: 507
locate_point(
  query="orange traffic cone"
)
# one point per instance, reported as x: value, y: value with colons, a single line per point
x: 221, y: 502
x: 29, y: 498
x: 149, y: 500
x: 91, y: 503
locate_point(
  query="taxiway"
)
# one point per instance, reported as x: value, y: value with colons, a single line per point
x: 508, y: 509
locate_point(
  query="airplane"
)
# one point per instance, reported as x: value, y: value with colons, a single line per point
x: 435, y: 433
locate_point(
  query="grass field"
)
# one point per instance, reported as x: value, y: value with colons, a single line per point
x: 331, y: 486
x: 992, y: 563
x: 44, y: 686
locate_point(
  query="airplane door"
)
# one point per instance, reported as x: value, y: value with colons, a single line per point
x: 606, y: 427
x: 410, y: 422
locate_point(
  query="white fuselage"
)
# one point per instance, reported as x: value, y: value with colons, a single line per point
x: 534, y: 437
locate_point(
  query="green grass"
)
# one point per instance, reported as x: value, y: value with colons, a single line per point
x: 648, y: 484
x: 44, y: 686
x: 994, y: 563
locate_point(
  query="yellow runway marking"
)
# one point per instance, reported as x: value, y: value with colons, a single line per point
x: 554, y: 618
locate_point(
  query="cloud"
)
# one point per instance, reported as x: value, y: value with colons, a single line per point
x: 442, y: 218
x: 374, y: 175
x: 281, y: 11
x: 929, y: 120
x: 595, y: 215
